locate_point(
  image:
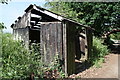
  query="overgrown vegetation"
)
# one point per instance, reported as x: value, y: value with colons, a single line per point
x: 115, y: 36
x: 98, y: 52
x: 18, y: 62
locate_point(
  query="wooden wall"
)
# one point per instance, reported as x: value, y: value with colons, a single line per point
x: 23, y: 22
x: 51, y: 40
x: 22, y: 34
x: 59, y: 38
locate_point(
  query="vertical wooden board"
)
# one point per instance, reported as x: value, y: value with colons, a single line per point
x: 86, y: 45
x: 70, y: 48
x: 41, y: 43
x: 59, y: 40
x: 50, y: 44
x: 52, y: 41
x: 55, y: 45
x: 47, y: 42
x: 56, y: 37
x: 82, y: 44
x: 50, y: 49
x: 89, y: 41
x: 64, y: 47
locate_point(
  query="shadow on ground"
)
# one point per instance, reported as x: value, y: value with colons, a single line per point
x: 81, y: 66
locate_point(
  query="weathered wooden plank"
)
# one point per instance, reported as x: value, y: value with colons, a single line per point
x: 59, y: 40
x: 50, y: 41
x: 64, y: 45
x: 70, y: 48
x: 89, y: 40
x: 41, y: 43
x: 82, y: 38
x: 44, y: 43
x: 77, y: 45
x: 55, y: 30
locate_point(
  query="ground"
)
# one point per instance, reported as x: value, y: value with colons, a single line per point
x: 109, y: 69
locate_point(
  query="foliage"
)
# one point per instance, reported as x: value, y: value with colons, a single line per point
x: 54, y: 69
x: 2, y: 26
x: 100, y: 16
x: 18, y: 62
x: 115, y: 36
x: 4, y: 1
x: 62, y: 8
x: 98, y: 52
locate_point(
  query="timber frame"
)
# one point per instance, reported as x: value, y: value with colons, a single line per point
x: 56, y: 34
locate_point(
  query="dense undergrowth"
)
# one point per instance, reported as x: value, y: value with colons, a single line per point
x: 18, y: 62
x: 98, y: 52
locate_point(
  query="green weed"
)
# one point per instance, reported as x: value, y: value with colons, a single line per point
x: 98, y: 52
x: 18, y: 62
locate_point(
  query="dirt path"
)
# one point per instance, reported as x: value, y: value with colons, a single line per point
x: 109, y: 69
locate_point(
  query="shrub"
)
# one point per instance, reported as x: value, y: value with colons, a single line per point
x: 98, y: 52
x: 18, y: 62
x: 115, y: 36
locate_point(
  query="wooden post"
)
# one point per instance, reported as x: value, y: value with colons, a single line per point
x: 69, y: 47
x: 89, y: 39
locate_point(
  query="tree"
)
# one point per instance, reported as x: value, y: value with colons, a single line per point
x: 103, y: 17
x: 4, y: 1
x: 2, y: 26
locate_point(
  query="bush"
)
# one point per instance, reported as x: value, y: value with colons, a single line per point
x: 18, y: 62
x: 115, y: 36
x: 98, y: 52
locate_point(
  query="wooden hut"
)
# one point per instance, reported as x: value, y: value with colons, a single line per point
x: 55, y: 33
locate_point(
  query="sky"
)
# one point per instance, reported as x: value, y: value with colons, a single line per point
x: 15, y: 8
